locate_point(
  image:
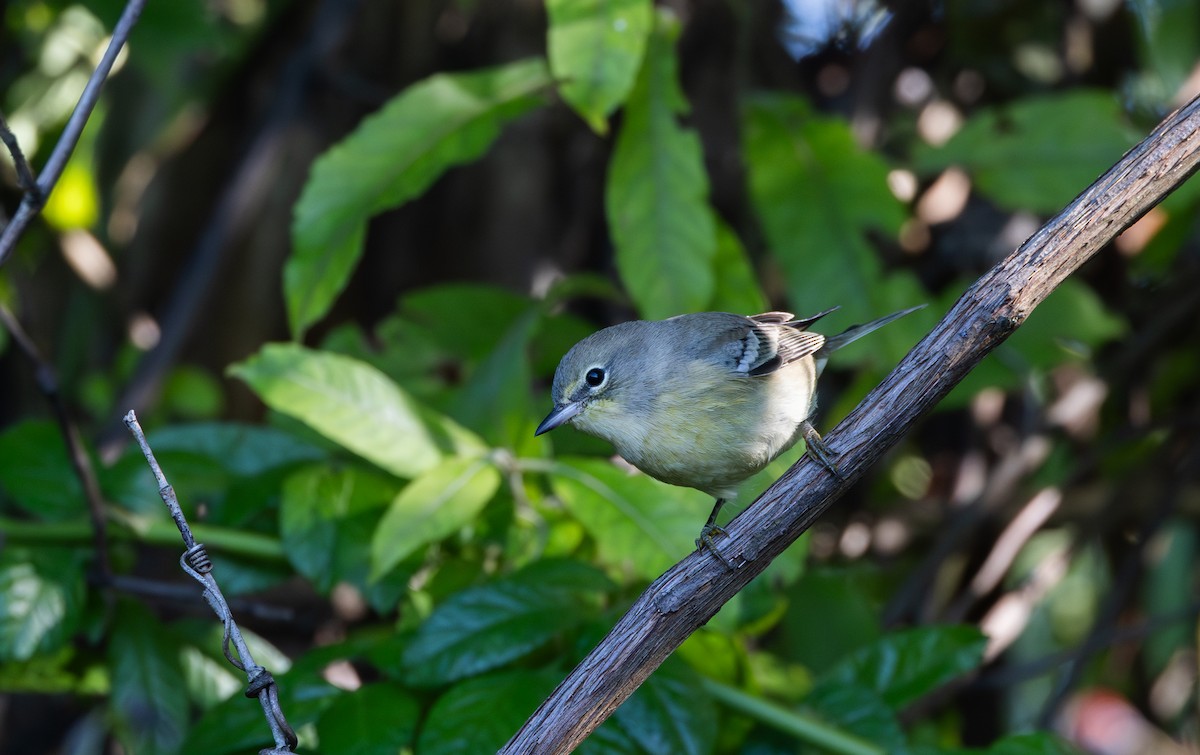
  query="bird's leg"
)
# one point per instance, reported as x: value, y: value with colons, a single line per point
x: 818, y: 450
x: 705, y: 541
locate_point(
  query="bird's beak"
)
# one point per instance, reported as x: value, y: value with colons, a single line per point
x: 559, y: 415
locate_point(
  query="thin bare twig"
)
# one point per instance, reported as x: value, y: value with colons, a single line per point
x: 692, y: 591
x: 25, y: 177
x: 32, y: 202
x: 81, y: 463
x: 196, y: 563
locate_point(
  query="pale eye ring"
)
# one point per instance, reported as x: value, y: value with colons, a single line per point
x: 595, y: 377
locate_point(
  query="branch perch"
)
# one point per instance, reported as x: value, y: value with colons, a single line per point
x: 692, y: 591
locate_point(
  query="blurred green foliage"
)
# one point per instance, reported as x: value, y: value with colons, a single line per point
x: 398, y: 463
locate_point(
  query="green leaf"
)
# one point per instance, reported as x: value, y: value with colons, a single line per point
x: 657, y: 193
x: 354, y: 405
x: 595, y: 47
x: 148, y: 693
x: 635, y: 520
x: 378, y: 719
x: 237, y: 725
x: 860, y: 711
x: 737, y: 288
x: 481, y: 714
x: 433, y: 506
x: 670, y: 712
x: 1017, y: 155
x: 496, y: 399
x: 818, y: 195
x: 41, y: 600
x: 393, y: 156
x: 319, y: 508
x: 1034, y: 743
x: 488, y: 626
x: 36, y: 473
x: 240, y: 449
x: 904, y: 666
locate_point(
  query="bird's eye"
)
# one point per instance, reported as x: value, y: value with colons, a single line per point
x: 594, y: 377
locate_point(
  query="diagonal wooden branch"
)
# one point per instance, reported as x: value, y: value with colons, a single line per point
x: 688, y: 595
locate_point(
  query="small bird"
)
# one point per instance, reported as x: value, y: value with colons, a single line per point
x: 701, y: 400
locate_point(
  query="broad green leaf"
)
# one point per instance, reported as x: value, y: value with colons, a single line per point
x: 354, y: 405
x: 319, y: 508
x: 41, y: 599
x: 393, y: 156
x: 481, y: 714
x: 378, y: 719
x: 657, y: 192
x: 635, y: 520
x: 861, y: 711
x: 488, y: 626
x: 818, y: 196
x: 36, y: 473
x: 495, y: 400
x: 595, y: 47
x: 904, y: 666
x: 148, y: 693
x: 433, y: 506
x: 670, y: 712
x: 243, y: 450
x: 1017, y: 155
x: 737, y: 288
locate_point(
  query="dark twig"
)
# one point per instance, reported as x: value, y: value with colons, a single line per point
x: 32, y: 202
x: 47, y: 383
x: 196, y: 563
x: 25, y: 178
x: 182, y: 593
x: 691, y: 592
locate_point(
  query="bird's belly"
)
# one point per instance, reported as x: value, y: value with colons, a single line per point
x: 714, y: 442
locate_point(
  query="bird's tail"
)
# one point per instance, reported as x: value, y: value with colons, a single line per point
x: 851, y: 334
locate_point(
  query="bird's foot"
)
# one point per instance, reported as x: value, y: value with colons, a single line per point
x: 818, y: 450
x: 705, y: 542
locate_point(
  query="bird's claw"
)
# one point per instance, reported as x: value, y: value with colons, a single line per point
x: 705, y: 542
x: 817, y: 449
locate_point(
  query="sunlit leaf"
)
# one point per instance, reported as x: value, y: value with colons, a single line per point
x: 595, y: 47
x: 433, y: 506
x: 393, y: 156
x: 657, y: 192
x: 354, y: 405
x: 41, y: 599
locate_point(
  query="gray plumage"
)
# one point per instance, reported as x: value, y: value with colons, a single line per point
x: 701, y: 400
